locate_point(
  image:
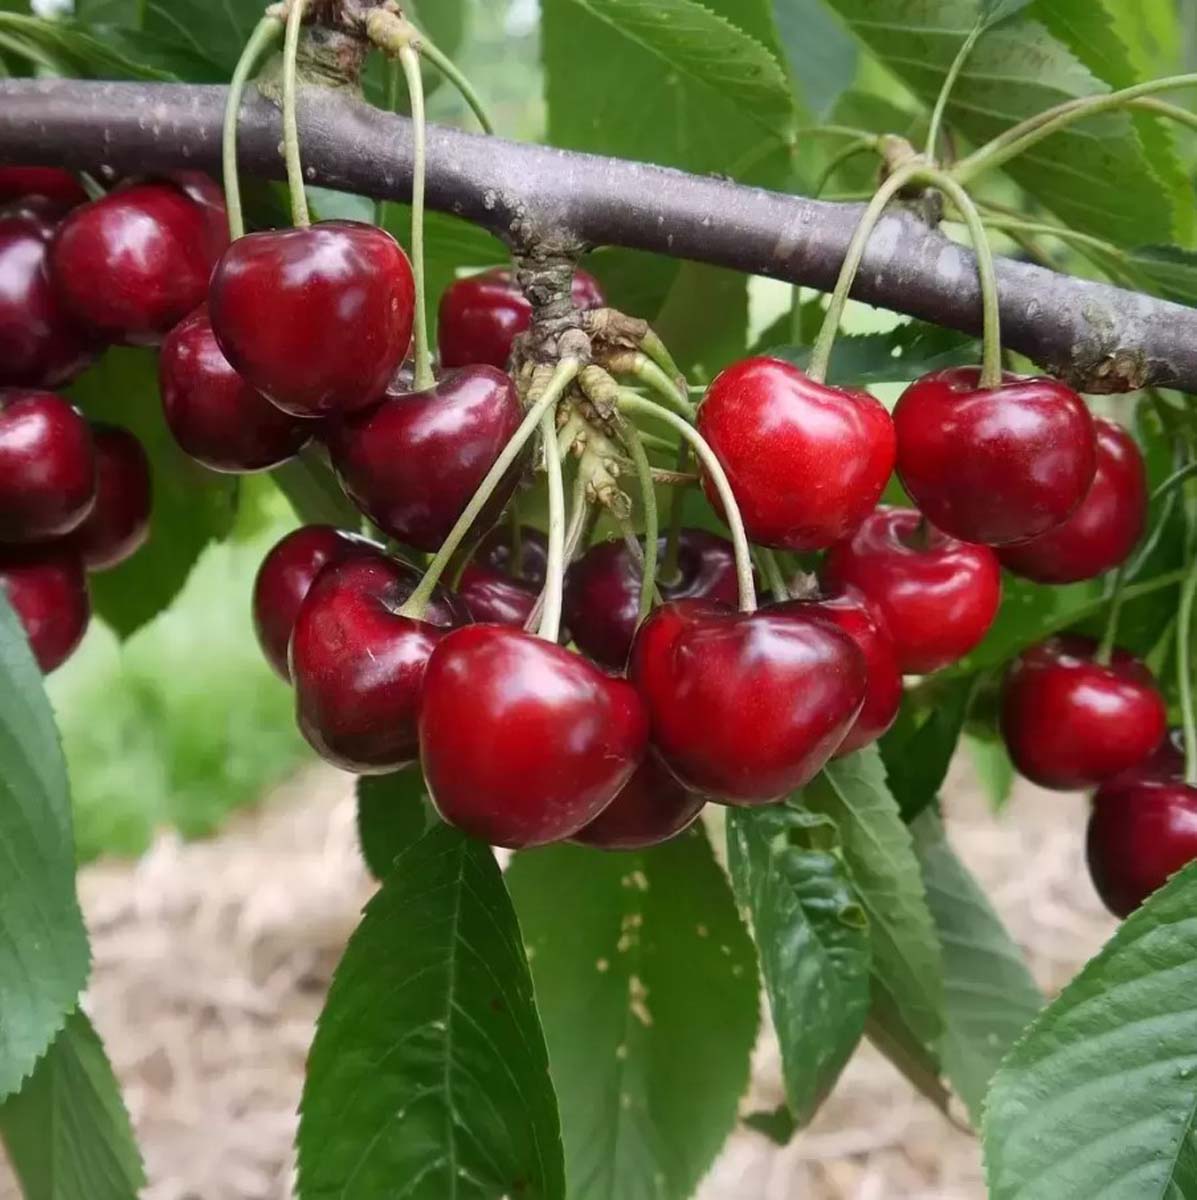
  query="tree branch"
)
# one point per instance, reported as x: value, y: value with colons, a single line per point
x: 1100, y: 338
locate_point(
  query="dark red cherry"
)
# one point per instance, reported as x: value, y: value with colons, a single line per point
x: 59, y: 187
x: 413, y: 462
x: 994, y: 465
x: 47, y: 588
x: 532, y: 562
x: 119, y: 522
x: 651, y: 808
x: 216, y: 416
x: 523, y: 742
x: 1106, y: 527
x: 133, y: 264
x: 40, y: 344
x: 496, y: 598
x: 1140, y: 832
x: 317, y: 319
x: 481, y: 315
x: 746, y: 707
x: 936, y: 596
x: 47, y: 466
x: 806, y: 462
x: 285, y: 578
x: 1070, y: 722
x: 602, y: 590
x: 358, y: 665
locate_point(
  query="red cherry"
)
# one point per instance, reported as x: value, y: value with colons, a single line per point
x: 936, y: 596
x: 496, y: 598
x: 119, y: 523
x: 1071, y: 723
x: 481, y: 315
x: 317, y: 319
x: 533, y: 561
x: 47, y: 589
x: 651, y: 808
x: 746, y: 707
x: 133, y: 264
x: 994, y: 465
x: 1106, y: 527
x: 806, y: 462
x: 40, y: 344
x: 216, y: 416
x: 358, y: 665
x: 602, y: 590
x: 47, y: 466
x: 60, y: 187
x: 523, y: 742
x: 413, y: 462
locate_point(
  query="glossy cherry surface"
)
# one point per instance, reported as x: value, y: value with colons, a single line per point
x: 651, y: 808
x: 58, y: 186
x: 806, y: 462
x: 602, y: 590
x: 413, y: 462
x: 47, y: 588
x: 1070, y: 722
x: 481, y: 315
x: 994, y: 465
x: 746, y: 707
x: 1103, y: 531
x: 47, y: 466
x: 529, y: 565
x: 358, y: 665
x: 317, y: 319
x: 119, y: 522
x: 131, y: 265
x: 216, y: 416
x: 491, y: 596
x: 937, y: 596
x: 523, y: 742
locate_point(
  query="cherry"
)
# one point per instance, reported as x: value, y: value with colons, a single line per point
x: 602, y: 590
x: 119, y: 523
x: 524, y: 742
x: 216, y: 416
x: 1070, y: 722
x: 531, y: 563
x: 481, y: 315
x: 318, y: 319
x: 936, y: 596
x: 493, y: 596
x: 651, y: 808
x: 47, y: 466
x: 994, y: 465
x: 47, y: 588
x: 358, y: 665
x: 1103, y: 531
x: 131, y: 265
x: 59, y: 187
x: 40, y: 344
x: 747, y: 707
x: 413, y: 462
x: 806, y: 462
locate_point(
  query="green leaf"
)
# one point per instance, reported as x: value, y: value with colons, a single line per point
x: 85, y: 53
x: 648, y: 988
x: 822, y: 58
x: 428, y: 1075
x: 778, y: 1125
x: 988, y: 989
x: 215, y: 31
x: 704, y: 320
x: 393, y: 813
x: 881, y: 862
x: 314, y: 494
x: 993, y: 11
x: 812, y: 936
x: 192, y: 505
x: 993, y: 767
x: 1099, y: 1097
x: 889, y: 1032
x: 44, y: 956
x: 1170, y: 271
x: 67, y: 1132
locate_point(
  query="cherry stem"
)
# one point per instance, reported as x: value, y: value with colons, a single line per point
x: 410, y: 61
x: 554, y: 584
x: 453, y: 74
x: 1105, y: 648
x: 644, y: 473
x: 299, y: 200
x: 657, y: 379
x: 949, y: 82
x: 1184, y: 669
x: 575, y: 531
x: 382, y: 205
x: 772, y: 573
x: 265, y: 34
x: 1161, y: 108
x: 655, y: 348
x: 632, y: 403
x: 677, y: 511
x: 565, y: 373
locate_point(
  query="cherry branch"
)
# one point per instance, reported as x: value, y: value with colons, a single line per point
x: 1098, y: 337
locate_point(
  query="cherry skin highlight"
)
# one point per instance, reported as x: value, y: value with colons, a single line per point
x: 523, y: 742
x: 994, y: 465
x: 1071, y: 723
x: 807, y: 462
x: 494, y: 597
x: 318, y: 319
x: 936, y: 596
x: 47, y: 588
x: 61, y: 188
x: 651, y: 808
x: 119, y: 522
x: 1103, y: 530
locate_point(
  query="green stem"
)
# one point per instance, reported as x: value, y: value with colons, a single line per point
x: 452, y: 73
x: 655, y: 348
x: 563, y: 376
x: 382, y: 205
x: 410, y: 62
x: 657, y: 379
x: 1161, y: 108
x: 860, y: 146
x: 648, y: 494
x: 1174, y: 481
x: 265, y: 34
x: 299, y: 200
x: 630, y: 402
x: 772, y: 573
x: 1105, y: 648
x: 677, y: 512
x: 941, y: 102
x: 554, y: 584
x: 1184, y: 672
